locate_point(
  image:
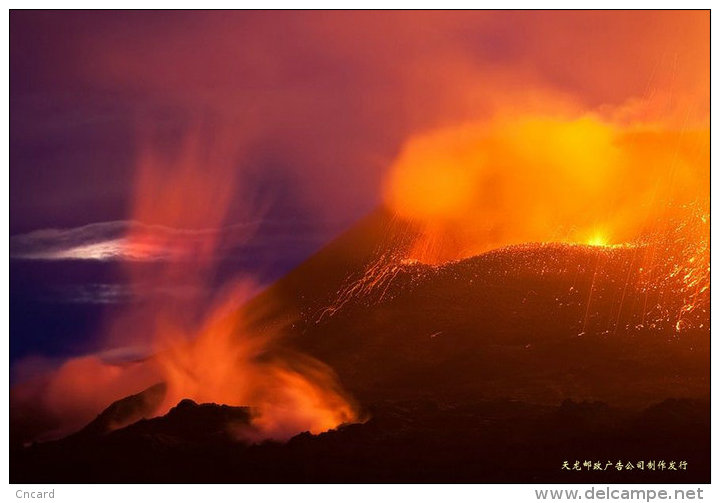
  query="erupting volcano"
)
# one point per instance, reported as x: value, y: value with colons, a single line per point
x: 531, y: 285
x: 538, y: 181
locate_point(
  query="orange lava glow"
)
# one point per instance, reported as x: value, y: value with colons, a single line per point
x: 584, y: 180
x: 597, y: 239
x: 224, y: 361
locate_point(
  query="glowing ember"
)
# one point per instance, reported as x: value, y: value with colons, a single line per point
x: 598, y: 239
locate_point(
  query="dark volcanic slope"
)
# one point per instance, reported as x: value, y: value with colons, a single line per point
x: 126, y: 411
x: 519, y: 323
x: 315, y: 281
x: 533, y: 322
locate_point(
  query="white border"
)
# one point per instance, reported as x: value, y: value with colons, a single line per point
x: 310, y: 493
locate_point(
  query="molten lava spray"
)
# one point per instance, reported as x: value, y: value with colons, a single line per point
x: 534, y: 180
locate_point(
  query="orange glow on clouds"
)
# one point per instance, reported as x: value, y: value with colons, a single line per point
x: 481, y: 186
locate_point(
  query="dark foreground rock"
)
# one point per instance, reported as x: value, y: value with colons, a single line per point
x: 403, y: 441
